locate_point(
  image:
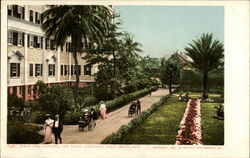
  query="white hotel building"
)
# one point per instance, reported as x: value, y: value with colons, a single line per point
x: 33, y: 57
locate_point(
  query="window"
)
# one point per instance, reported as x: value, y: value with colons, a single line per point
x: 14, y: 69
x: 42, y: 42
x: 21, y: 89
x: 39, y: 70
x: 47, y: 43
x: 20, y: 38
x: 14, y: 90
x: 62, y: 48
x: 68, y: 47
x: 29, y: 90
x: 87, y: 69
x: 9, y: 10
x: 31, y: 70
x: 10, y: 37
x: 51, y: 69
x: 61, y: 69
x: 31, y: 15
x: 18, y: 11
x: 15, y: 38
x: 37, y: 18
x: 31, y: 41
x: 66, y: 70
x: 53, y: 45
x: 37, y: 42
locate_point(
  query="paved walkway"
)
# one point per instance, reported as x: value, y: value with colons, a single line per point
x: 115, y: 119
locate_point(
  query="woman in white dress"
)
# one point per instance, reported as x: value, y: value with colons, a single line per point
x: 103, y: 110
x: 48, y: 129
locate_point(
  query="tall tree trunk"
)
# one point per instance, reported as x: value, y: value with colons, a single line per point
x: 74, y: 51
x: 170, y: 86
x: 114, y: 77
x: 205, y: 84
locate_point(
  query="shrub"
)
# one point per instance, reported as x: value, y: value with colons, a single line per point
x: 14, y: 101
x: 122, y: 100
x: 69, y: 118
x: 19, y: 133
x: 90, y: 100
x: 56, y: 100
x: 115, y: 138
x: 37, y: 117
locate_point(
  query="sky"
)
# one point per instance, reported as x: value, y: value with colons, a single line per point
x: 164, y: 29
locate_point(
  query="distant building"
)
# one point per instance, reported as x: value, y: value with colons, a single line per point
x: 33, y: 57
x: 181, y: 58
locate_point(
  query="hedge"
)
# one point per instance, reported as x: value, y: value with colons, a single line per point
x: 122, y: 100
x: 20, y: 133
x: 115, y: 103
x: 115, y: 138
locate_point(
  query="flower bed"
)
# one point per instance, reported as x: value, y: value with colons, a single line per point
x: 190, y: 126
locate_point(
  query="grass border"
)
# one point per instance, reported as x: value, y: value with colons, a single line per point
x: 116, y: 137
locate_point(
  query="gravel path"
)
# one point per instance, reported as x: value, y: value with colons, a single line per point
x: 115, y: 119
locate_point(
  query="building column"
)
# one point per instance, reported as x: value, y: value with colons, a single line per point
x: 26, y: 68
x: 26, y: 13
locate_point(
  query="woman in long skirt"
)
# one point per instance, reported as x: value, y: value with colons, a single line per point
x: 48, y: 129
x: 103, y: 110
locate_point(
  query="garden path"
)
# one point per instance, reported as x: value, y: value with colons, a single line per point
x: 115, y: 119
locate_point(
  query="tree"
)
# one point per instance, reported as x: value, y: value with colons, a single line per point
x: 170, y: 71
x: 82, y: 23
x: 207, y: 55
x: 116, y: 59
x: 56, y: 100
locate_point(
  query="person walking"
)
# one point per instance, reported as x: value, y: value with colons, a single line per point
x: 138, y: 107
x: 103, y: 110
x: 48, y: 129
x: 94, y: 116
x: 57, y: 129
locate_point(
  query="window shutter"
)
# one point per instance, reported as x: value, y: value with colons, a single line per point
x: 18, y: 69
x: 36, y: 67
x: 23, y: 13
x: 54, y: 69
x: 11, y: 69
x: 28, y: 38
x: 72, y: 70
x: 79, y: 70
x: 31, y: 69
x: 23, y: 39
x: 42, y: 42
x: 41, y: 67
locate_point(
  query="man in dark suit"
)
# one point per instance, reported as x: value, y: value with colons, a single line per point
x: 138, y: 107
x: 57, y: 129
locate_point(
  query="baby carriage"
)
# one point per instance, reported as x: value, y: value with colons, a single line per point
x: 131, y: 110
x: 84, y: 122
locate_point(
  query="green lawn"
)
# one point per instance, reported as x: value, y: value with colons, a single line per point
x: 161, y: 127
x: 212, y: 128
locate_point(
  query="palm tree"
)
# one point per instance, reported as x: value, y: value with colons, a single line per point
x: 82, y: 23
x: 207, y: 55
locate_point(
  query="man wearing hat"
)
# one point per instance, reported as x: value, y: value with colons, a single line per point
x: 57, y: 129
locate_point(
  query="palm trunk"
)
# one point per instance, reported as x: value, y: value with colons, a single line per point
x: 114, y: 77
x: 170, y: 86
x: 74, y: 51
x: 205, y: 84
